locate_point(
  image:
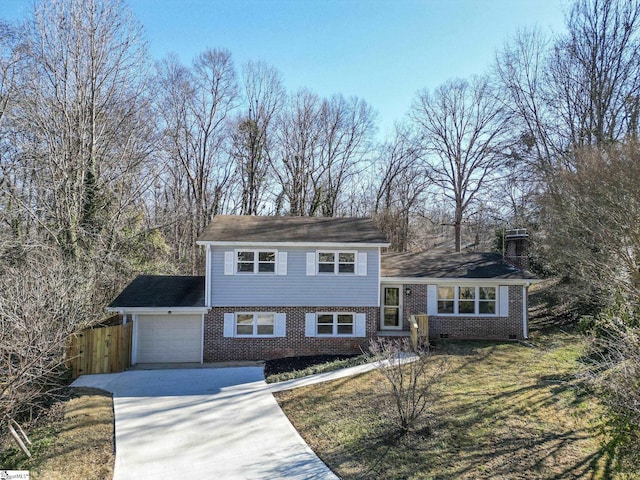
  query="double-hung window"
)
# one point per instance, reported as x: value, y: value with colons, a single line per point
x: 338, y: 262
x: 334, y: 324
x: 254, y: 324
x: 256, y: 261
x: 463, y: 300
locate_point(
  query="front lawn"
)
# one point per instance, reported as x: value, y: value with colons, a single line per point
x: 503, y: 410
x: 73, y: 441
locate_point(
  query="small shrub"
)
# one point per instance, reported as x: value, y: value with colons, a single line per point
x: 410, y: 377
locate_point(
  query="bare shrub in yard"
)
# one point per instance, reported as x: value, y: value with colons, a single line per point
x: 42, y: 301
x: 410, y: 377
x: 615, y: 374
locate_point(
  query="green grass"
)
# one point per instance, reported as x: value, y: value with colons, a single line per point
x: 500, y: 410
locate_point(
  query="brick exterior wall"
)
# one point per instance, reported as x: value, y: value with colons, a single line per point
x: 500, y: 328
x: 218, y: 348
x: 413, y: 304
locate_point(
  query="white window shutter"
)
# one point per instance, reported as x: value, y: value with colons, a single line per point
x: 361, y: 325
x: 280, y: 328
x: 503, y: 297
x: 361, y: 267
x: 282, y: 263
x: 310, y: 325
x: 229, y: 263
x: 432, y: 299
x: 311, y: 263
x: 229, y: 325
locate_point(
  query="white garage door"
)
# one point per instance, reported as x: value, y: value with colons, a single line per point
x: 169, y: 338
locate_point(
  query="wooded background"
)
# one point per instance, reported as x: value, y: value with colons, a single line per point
x: 112, y: 164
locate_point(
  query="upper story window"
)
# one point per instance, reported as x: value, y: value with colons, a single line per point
x: 460, y: 300
x: 338, y: 262
x: 256, y: 261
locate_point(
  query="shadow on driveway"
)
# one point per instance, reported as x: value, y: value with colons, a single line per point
x: 203, y: 423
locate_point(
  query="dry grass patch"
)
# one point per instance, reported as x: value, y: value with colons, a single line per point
x: 74, y: 441
x: 500, y: 411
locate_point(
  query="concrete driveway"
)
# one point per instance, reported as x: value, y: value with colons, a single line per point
x: 205, y: 423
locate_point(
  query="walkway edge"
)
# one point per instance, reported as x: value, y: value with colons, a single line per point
x: 335, y: 375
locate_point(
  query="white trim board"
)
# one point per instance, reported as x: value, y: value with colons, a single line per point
x: 314, y: 245
x: 457, y: 281
x: 159, y: 310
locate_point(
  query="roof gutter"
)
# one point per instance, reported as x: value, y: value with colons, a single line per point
x: 458, y: 281
x: 162, y: 310
x: 314, y: 245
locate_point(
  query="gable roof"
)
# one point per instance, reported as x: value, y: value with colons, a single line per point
x: 319, y: 230
x: 450, y: 266
x: 150, y: 291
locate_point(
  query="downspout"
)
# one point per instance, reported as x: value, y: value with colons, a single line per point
x: 525, y: 311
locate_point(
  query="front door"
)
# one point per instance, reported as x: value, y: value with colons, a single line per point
x: 391, y: 308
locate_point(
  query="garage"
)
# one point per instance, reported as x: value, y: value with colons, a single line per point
x: 169, y: 338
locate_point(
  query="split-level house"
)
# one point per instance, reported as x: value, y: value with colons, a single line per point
x: 288, y: 286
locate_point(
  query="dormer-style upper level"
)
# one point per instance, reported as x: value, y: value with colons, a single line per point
x: 292, y: 261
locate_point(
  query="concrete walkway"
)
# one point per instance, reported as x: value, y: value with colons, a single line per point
x: 203, y: 423
x: 335, y: 375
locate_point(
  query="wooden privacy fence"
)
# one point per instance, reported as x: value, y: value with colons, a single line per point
x: 100, y: 350
x: 419, y: 330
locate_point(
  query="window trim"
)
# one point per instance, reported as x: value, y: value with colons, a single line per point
x: 254, y: 324
x: 256, y: 261
x: 336, y: 262
x: 476, y: 301
x: 335, y: 324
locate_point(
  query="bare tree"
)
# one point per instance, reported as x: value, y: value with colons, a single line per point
x: 590, y: 237
x: 12, y: 61
x: 580, y: 89
x: 322, y: 145
x: 297, y: 168
x: 521, y: 72
x: 195, y: 108
x: 594, y: 72
x: 462, y: 125
x: 346, y: 130
x: 83, y: 121
x: 400, y: 184
x: 253, y: 138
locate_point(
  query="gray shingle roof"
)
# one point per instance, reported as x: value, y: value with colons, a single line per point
x: 161, y: 291
x: 243, y: 228
x: 450, y: 265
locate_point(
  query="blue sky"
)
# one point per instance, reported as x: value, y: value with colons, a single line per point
x: 383, y: 51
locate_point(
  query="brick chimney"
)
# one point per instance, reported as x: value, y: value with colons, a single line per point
x: 516, y: 248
